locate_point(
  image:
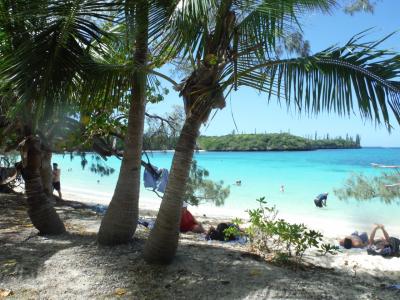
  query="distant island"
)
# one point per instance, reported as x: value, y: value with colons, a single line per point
x: 274, y: 142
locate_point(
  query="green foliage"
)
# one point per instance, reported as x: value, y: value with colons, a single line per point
x: 199, y: 189
x: 329, y: 248
x: 359, y: 5
x: 96, y: 165
x: 163, y: 133
x: 363, y: 188
x: 233, y: 231
x: 270, y: 142
x: 9, y: 160
x: 284, y: 240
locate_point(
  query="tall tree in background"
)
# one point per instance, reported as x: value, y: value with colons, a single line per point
x: 385, y: 187
x: 232, y: 44
x: 359, y: 5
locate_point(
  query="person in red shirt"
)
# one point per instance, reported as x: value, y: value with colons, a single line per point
x: 188, y: 222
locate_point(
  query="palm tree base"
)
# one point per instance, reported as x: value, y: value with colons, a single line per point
x: 46, y: 220
x: 113, y: 232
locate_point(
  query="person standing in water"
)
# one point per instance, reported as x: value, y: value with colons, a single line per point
x: 56, y: 179
x: 320, y: 200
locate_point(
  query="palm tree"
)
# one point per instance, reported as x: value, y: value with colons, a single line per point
x: 144, y: 24
x: 44, y: 47
x: 120, y: 220
x: 232, y: 44
x: 40, y: 210
x: 92, y: 79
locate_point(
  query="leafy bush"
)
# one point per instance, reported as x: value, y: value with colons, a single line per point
x: 233, y: 231
x: 200, y: 189
x: 328, y: 248
x: 270, y: 235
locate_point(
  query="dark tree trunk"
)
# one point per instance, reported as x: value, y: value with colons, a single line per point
x: 163, y: 241
x: 201, y: 93
x: 40, y: 211
x: 119, y: 223
x: 46, y: 173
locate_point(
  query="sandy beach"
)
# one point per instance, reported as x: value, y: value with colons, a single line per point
x: 331, y: 227
x: 73, y: 266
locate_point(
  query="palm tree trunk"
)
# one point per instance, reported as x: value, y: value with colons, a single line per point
x: 46, y: 173
x: 119, y: 223
x: 163, y: 241
x: 40, y: 211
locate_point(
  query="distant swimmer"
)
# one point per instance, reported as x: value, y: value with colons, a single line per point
x: 320, y: 200
x: 238, y: 182
x: 282, y: 188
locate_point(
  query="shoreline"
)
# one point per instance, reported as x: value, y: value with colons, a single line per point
x: 330, y: 227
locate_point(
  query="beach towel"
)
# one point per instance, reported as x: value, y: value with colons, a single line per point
x: 148, y: 223
x: 156, y: 180
x: 150, y: 178
x: 162, y: 184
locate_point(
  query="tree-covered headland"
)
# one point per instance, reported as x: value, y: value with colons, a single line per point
x: 273, y: 142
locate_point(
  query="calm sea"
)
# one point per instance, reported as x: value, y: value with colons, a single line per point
x: 303, y: 174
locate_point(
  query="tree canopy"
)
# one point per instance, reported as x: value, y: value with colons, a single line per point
x: 271, y: 142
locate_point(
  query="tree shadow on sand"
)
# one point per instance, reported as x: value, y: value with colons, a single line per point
x: 73, y: 265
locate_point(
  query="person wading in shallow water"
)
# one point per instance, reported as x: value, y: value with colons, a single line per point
x: 56, y: 179
x: 320, y: 200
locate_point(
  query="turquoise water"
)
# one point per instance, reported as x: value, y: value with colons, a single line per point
x: 303, y: 174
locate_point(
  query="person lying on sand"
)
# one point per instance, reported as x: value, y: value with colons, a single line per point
x: 388, y: 246
x: 188, y: 222
x: 355, y: 240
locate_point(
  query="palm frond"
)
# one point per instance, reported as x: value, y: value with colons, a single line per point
x: 262, y: 23
x: 47, y: 66
x: 331, y: 79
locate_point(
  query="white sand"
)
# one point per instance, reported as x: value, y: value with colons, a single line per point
x: 73, y: 266
x: 330, y: 227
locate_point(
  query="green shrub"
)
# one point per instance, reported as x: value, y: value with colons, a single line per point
x: 329, y: 248
x: 233, y: 231
x: 270, y: 235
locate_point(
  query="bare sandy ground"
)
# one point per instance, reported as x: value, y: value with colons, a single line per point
x: 73, y: 266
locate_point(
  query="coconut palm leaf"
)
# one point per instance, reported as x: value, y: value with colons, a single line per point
x: 261, y: 23
x: 46, y: 67
x: 54, y: 64
x: 336, y: 79
x: 258, y: 24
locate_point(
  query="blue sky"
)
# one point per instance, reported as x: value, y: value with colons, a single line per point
x: 252, y: 113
